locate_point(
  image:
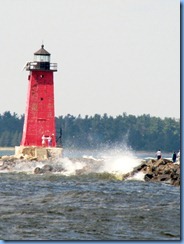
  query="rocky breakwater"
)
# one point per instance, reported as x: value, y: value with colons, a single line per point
x: 162, y: 170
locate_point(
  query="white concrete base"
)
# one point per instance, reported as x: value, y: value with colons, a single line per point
x: 38, y: 153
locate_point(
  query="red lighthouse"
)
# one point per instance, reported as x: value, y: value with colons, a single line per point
x: 39, y: 124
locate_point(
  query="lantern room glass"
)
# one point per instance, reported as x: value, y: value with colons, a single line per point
x: 42, y: 58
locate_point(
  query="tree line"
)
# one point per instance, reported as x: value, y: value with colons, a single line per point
x: 92, y: 132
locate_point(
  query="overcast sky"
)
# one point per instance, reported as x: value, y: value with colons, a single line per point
x: 113, y: 56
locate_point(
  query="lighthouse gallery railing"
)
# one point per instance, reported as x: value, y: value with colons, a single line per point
x: 41, y: 66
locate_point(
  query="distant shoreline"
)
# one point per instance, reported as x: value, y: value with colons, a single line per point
x: 7, y: 148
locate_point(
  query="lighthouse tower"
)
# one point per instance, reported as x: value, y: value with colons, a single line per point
x: 39, y: 130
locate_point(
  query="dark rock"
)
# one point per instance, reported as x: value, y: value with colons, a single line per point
x: 58, y: 168
x: 162, y: 170
x: 148, y: 177
x: 140, y: 167
x: 7, y: 164
x: 163, y: 177
x: 47, y: 168
x: 37, y: 170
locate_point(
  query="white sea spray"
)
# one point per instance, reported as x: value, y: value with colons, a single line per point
x: 116, y: 161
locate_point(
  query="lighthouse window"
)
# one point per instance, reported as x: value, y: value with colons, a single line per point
x: 42, y: 58
x: 41, y: 98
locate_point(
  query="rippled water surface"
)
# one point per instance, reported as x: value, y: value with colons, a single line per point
x: 88, y: 207
x: 93, y: 205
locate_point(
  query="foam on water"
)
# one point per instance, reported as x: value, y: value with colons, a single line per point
x: 138, y: 176
x: 117, y: 162
x: 120, y: 164
x: 70, y: 167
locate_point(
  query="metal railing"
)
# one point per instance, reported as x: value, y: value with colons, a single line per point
x: 41, y: 66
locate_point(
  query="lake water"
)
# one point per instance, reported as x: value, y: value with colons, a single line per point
x: 90, y: 206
